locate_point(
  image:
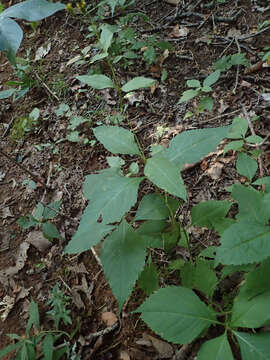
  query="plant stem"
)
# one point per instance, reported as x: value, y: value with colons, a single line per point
x: 35, y: 177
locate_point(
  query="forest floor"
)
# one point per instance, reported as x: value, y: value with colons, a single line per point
x: 61, y: 159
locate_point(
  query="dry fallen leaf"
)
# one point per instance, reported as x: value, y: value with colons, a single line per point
x: 37, y: 239
x: 172, y: 2
x: 12, y: 270
x: 215, y: 170
x: 5, y: 306
x: 164, y: 349
x: 109, y: 318
x: 124, y: 355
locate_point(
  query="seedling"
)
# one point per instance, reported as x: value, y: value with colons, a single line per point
x: 198, y: 90
x: 40, y: 217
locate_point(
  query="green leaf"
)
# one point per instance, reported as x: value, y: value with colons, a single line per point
x: 51, y: 211
x: 246, y: 166
x: 6, y: 350
x: 233, y: 145
x: 26, y: 222
x: 33, y: 10
x: 188, y: 95
x: 50, y: 231
x: 89, y: 233
x: 212, y: 78
x: 238, y: 129
x: 239, y: 59
x: 257, y: 281
x: 152, y: 207
x: 6, y: 93
x: 230, y: 269
x: 98, y: 82
x: 254, y: 139
x: 176, y: 314
x: 134, y: 168
x: 10, y: 37
x: 190, y: 146
x: 115, y: 162
x: 206, y: 103
x: 148, y: 280
x: 150, y: 55
x: 254, y: 346
x: 216, y: 349
x: 117, y: 140
x: 193, y: 83
x: 205, y: 277
x: 151, y: 233
x: 243, y: 243
x: 252, y: 204
x: 163, y: 173
x: 187, y: 275
x: 123, y: 256
x: 206, y: 89
x: 38, y: 212
x: 138, y: 83
x: 109, y: 191
x: 262, y: 181
x: 170, y: 237
x: 209, y: 213
x: 47, y: 347
x: 33, y: 317
x: 105, y: 38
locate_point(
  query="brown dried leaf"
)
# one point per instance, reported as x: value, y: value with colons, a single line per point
x: 164, y: 349
x: 215, y: 170
x: 109, y: 318
x: 123, y: 355
x: 12, y: 270
x: 37, y: 239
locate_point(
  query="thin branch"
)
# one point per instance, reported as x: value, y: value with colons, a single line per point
x: 35, y: 177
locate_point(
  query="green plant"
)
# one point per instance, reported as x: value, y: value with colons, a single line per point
x: 198, y: 90
x: 10, y: 32
x: 228, y: 61
x: 180, y: 314
x: 24, y: 125
x: 40, y: 218
x: 24, y: 81
x: 11, y: 37
x: 246, y: 165
x: 118, y: 44
x: 49, y: 344
x: 75, y: 121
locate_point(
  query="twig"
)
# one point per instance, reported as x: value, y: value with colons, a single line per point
x: 48, y: 181
x: 220, y: 116
x: 46, y: 86
x: 59, y: 212
x: 102, y: 332
x: 237, y: 69
x: 253, y: 133
x: 8, y: 127
x: 35, y: 177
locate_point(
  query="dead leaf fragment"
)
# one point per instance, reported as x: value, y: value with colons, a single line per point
x: 172, y: 2
x: 5, y: 306
x: 109, y: 318
x: 6, y: 213
x: 164, y: 349
x: 12, y: 270
x: 124, y: 355
x: 178, y: 32
x: 37, y: 239
x: 215, y: 170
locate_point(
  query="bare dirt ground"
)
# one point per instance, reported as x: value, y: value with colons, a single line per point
x: 63, y: 165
